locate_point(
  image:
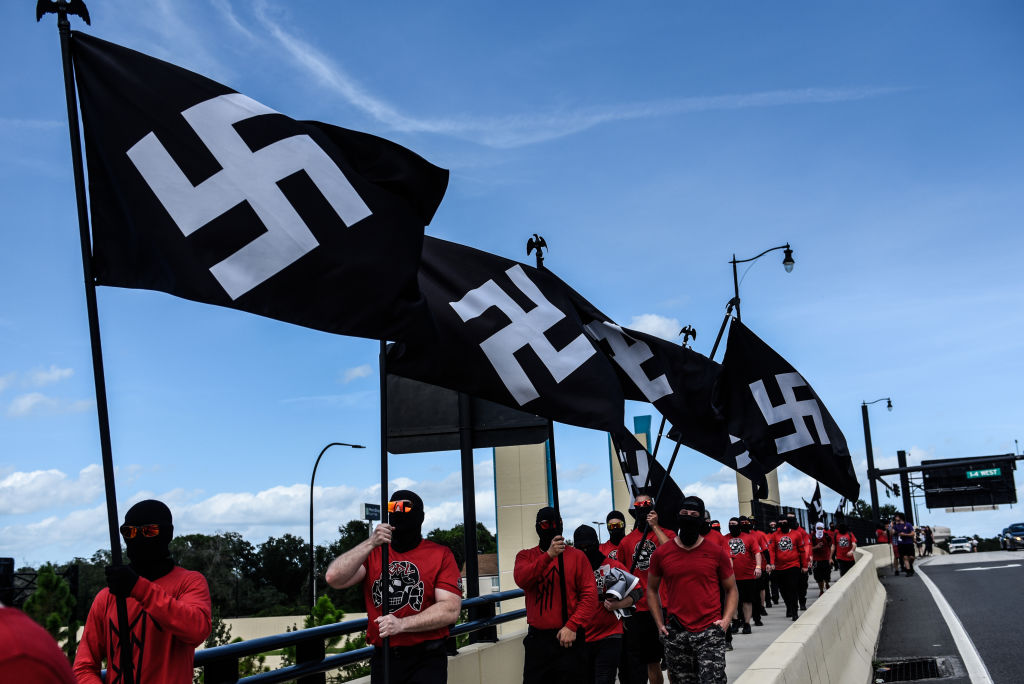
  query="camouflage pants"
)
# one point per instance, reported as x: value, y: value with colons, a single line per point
x: 695, y: 657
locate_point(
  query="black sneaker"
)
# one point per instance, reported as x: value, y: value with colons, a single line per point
x: 746, y: 628
x: 794, y: 618
x: 728, y: 646
x: 761, y: 610
x: 758, y: 623
x: 803, y: 605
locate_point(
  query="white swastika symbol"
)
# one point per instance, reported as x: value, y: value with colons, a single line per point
x: 791, y: 409
x: 246, y: 176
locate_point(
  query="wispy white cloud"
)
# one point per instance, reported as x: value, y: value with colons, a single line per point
x: 37, y: 402
x: 525, y: 129
x: 48, y: 376
x: 349, y: 400
x: 351, y: 374
x: 26, y: 492
x: 5, y: 381
x: 659, y: 326
x: 30, y: 124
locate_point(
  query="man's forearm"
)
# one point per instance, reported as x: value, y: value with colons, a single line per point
x: 342, y: 570
x: 654, y: 605
x: 438, y: 615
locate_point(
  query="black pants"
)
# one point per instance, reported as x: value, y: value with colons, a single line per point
x: 774, y: 585
x: 641, y: 646
x: 789, y: 581
x: 425, y: 663
x: 603, y: 660
x: 844, y: 567
x: 801, y: 587
x: 548, y: 662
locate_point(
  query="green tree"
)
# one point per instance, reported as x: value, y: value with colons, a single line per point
x: 862, y: 509
x: 51, y: 605
x: 352, y: 533
x: 229, y: 564
x: 283, y: 567
x: 454, y: 539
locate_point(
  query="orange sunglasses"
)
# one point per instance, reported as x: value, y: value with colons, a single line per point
x: 131, y: 531
x: 400, y: 506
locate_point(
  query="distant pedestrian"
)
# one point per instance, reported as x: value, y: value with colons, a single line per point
x: 904, y: 534
x: 974, y: 545
x: 789, y: 558
x: 745, y: 553
x: 846, y: 544
x: 797, y: 530
x: 929, y: 540
x: 821, y: 555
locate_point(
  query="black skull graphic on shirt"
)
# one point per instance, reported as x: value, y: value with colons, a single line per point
x: 404, y: 587
x: 785, y: 544
x: 844, y: 542
x: 643, y: 554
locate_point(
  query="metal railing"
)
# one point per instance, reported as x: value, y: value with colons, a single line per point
x: 220, y: 663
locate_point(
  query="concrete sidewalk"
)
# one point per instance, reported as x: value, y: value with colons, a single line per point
x: 748, y: 647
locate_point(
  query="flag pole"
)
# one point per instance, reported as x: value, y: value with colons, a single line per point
x: 62, y: 8
x: 537, y: 242
x: 685, y: 332
x: 385, y: 569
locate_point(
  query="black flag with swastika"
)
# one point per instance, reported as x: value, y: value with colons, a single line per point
x: 639, y: 468
x: 508, y: 332
x: 204, y: 193
x: 815, y: 509
x: 679, y: 382
x: 779, y: 417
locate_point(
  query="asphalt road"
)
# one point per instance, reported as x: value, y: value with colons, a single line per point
x: 985, y: 592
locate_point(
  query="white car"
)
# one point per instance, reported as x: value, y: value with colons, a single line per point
x: 958, y: 544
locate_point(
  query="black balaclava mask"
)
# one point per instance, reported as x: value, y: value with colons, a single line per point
x: 794, y: 524
x: 745, y: 524
x: 639, y: 513
x: 734, y: 527
x: 690, y: 527
x: 842, y: 528
x: 616, y: 535
x: 705, y: 527
x: 150, y: 556
x: 408, y: 532
x: 585, y: 539
x: 784, y: 525
x: 550, y: 517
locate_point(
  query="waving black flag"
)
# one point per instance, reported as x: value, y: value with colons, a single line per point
x: 206, y: 194
x: 679, y: 382
x: 815, y: 509
x: 777, y: 414
x: 639, y: 469
x: 508, y: 332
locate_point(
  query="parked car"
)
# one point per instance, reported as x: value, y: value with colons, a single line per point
x: 1012, y: 537
x: 959, y: 544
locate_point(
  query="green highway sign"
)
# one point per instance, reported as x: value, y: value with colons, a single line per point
x: 989, y: 472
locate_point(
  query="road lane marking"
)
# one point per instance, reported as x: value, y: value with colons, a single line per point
x: 990, y: 567
x: 976, y: 669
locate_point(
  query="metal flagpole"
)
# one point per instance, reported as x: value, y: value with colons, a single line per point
x: 385, y: 569
x: 686, y: 332
x: 62, y: 8
x: 537, y: 242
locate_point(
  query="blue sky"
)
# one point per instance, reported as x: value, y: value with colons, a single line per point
x: 647, y: 145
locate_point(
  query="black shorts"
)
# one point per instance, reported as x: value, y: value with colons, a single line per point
x: 822, y: 571
x: 642, y: 639
x: 907, y: 550
x: 750, y: 591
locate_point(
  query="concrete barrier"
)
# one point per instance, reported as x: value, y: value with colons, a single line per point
x: 834, y: 640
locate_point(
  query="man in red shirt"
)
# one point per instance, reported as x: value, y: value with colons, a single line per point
x: 642, y: 646
x: 747, y: 525
x: 694, y: 620
x: 616, y: 523
x: 801, y: 587
x: 168, y: 607
x: 745, y: 553
x: 789, y: 558
x: 552, y: 654
x: 617, y: 590
x: 423, y: 591
x: 821, y: 555
x: 773, y: 582
x: 28, y: 654
x: 846, y: 544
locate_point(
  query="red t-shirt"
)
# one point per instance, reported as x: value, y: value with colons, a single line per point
x: 415, y: 575
x: 743, y: 550
x: 882, y: 536
x: 844, y: 546
x: 609, y: 549
x: 169, y: 618
x: 537, y: 574
x: 762, y: 541
x: 716, y: 537
x: 788, y: 550
x: 626, y: 549
x: 691, y: 580
x: 28, y: 654
x: 604, y: 623
x: 821, y: 549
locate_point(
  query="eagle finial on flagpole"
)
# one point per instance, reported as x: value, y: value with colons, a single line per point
x: 62, y: 8
x: 537, y: 242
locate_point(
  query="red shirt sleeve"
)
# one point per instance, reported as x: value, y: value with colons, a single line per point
x: 586, y: 591
x: 91, y: 650
x: 527, y: 572
x: 187, y: 617
x: 725, y: 570
x: 448, y: 576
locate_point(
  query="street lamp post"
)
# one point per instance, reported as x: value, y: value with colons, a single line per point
x: 787, y: 263
x: 871, y: 456
x: 599, y: 526
x: 312, y: 548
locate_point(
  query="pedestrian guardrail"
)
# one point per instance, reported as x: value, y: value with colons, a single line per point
x: 220, y: 663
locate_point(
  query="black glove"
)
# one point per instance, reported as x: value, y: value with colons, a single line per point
x: 121, y: 579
